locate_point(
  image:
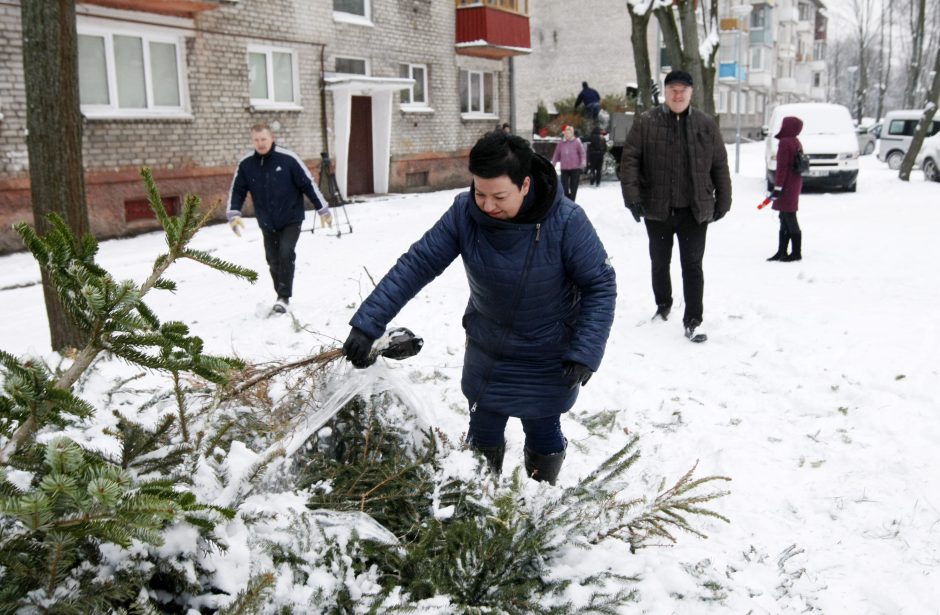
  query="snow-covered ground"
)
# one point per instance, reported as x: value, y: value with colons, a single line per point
x: 816, y: 392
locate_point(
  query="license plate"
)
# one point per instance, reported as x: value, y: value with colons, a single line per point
x: 818, y: 172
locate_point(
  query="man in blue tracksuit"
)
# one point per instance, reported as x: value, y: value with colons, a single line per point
x: 542, y: 296
x: 277, y: 180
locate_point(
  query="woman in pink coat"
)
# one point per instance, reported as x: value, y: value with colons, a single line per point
x: 787, y: 186
x: 570, y: 153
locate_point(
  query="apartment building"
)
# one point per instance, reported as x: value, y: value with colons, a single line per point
x: 772, y: 52
x: 395, y: 92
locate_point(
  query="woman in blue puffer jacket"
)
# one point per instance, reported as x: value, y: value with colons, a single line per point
x: 542, y: 295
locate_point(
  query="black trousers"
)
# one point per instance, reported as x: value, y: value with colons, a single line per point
x: 569, y: 182
x: 279, y: 252
x: 595, y: 168
x: 691, y: 234
x: 789, y: 224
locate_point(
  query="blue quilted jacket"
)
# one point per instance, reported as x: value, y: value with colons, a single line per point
x: 541, y: 292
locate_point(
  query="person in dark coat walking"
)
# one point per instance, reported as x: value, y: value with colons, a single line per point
x: 591, y: 100
x: 788, y: 183
x: 278, y: 180
x: 597, y: 148
x: 542, y: 296
x: 674, y: 172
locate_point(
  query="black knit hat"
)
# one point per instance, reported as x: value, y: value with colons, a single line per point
x: 679, y: 76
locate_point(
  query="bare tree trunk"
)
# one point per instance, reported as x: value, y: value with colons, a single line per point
x: 641, y: 59
x: 709, y: 67
x: 886, y: 63
x: 54, y: 123
x: 671, y: 38
x: 690, y: 43
x: 917, y: 54
x: 930, y: 108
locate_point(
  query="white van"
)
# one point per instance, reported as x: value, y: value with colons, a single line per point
x: 828, y: 138
x: 897, y: 132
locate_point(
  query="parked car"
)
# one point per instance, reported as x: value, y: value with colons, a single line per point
x: 897, y: 134
x: 829, y: 140
x: 868, y: 138
x: 928, y: 158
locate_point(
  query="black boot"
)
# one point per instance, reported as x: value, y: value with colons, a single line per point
x: 662, y: 310
x: 543, y: 468
x: 494, y: 456
x: 797, y: 253
x: 781, y: 254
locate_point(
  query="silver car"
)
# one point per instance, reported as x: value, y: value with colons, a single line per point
x: 868, y: 138
x: 928, y: 158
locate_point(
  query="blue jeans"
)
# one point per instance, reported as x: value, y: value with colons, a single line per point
x: 542, y: 435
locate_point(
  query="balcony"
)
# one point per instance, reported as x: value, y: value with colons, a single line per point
x: 760, y: 79
x: 732, y: 71
x: 177, y: 8
x: 762, y: 36
x: 786, y: 85
x: 493, y: 29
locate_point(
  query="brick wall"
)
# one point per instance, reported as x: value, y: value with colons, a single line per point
x: 198, y: 153
x: 571, y: 46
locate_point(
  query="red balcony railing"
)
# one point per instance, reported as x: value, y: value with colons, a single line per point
x: 493, y: 28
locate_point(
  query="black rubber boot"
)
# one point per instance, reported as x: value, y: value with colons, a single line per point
x: 494, y: 456
x: 781, y: 254
x: 797, y: 253
x: 543, y: 468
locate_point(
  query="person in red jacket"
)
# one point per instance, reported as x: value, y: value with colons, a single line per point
x: 787, y: 186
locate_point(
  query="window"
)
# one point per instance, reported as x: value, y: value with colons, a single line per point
x: 759, y: 16
x: 817, y: 80
x: 757, y: 58
x: 806, y: 12
x: 416, y: 95
x: 272, y: 77
x: 353, y: 11
x: 129, y: 74
x: 728, y: 47
x: 352, y: 66
x: 722, y: 101
x: 477, y: 92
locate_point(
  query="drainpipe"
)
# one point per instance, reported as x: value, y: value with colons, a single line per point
x: 512, y: 94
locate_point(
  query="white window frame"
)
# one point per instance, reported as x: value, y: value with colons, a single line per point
x: 147, y: 34
x: 368, y: 65
x: 269, y: 102
x: 481, y: 114
x: 758, y: 58
x: 353, y: 18
x: 417, y: 107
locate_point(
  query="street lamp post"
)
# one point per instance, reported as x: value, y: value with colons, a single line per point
x: 740, y: 11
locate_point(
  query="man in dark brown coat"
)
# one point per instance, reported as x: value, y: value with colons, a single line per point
x: 674, y: 172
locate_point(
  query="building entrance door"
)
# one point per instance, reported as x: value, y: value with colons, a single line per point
x: 360, y: 180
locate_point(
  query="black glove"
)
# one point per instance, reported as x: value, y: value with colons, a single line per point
x: 357, y: 348
x: 636, y: 208
x: 576, y: 374
x: 776, y: 194
x: 718, y: 215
